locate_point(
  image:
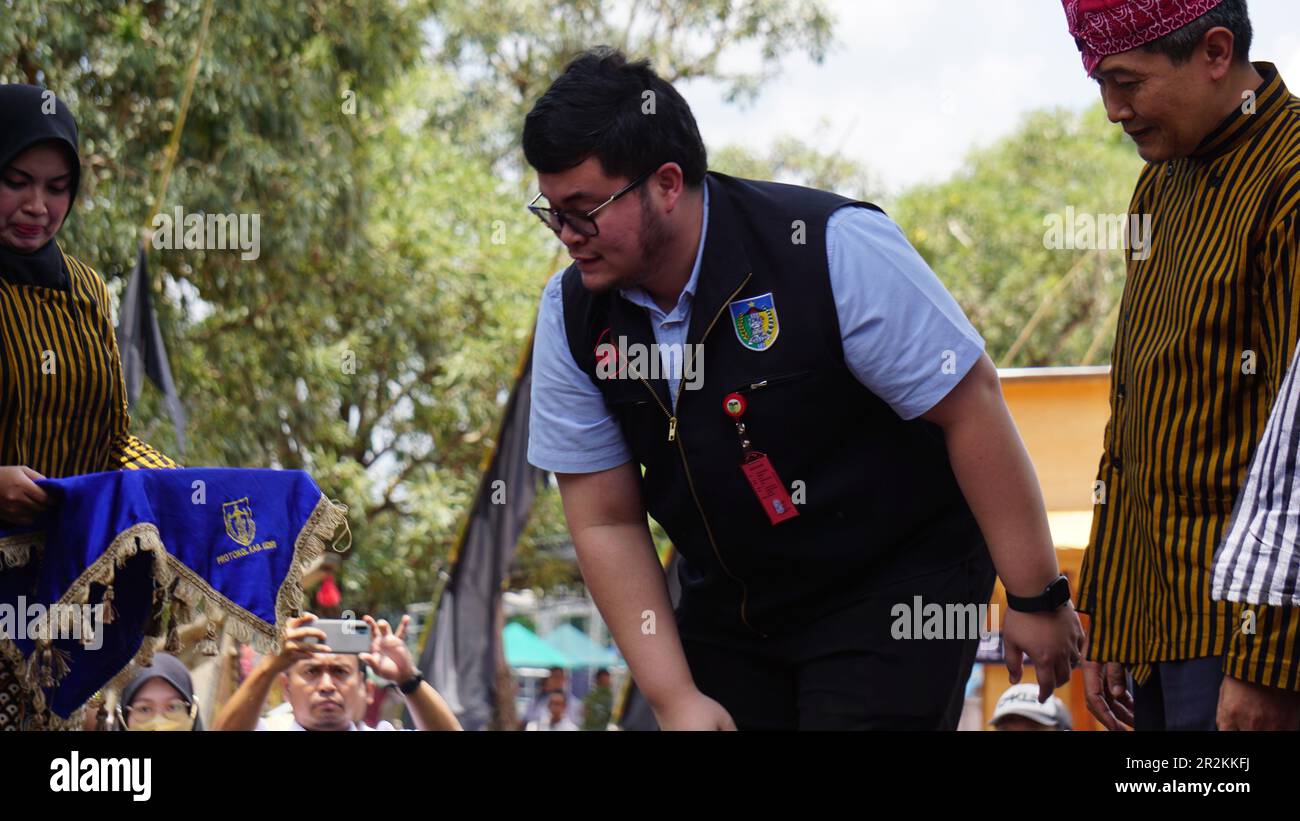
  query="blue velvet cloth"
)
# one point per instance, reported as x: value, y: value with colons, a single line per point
x: 229, y: 532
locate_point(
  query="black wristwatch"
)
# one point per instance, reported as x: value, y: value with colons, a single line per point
x: 412, y: 684
x: 1056, y: 594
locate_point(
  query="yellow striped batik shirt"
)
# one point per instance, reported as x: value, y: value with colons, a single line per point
x: 62, y: 399
x: 1207, y: 326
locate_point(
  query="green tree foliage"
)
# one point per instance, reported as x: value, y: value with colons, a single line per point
x: 983, y: 233
x: 508, y: 51
x: 795, y: 161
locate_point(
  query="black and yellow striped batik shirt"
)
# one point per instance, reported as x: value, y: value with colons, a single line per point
x: 62, y: 399
x: 1207, y: 327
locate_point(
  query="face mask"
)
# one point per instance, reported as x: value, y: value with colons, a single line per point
x: 162, y: 723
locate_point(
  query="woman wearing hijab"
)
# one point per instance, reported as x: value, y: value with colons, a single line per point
x: 62, y: 399
x: 160, y: 697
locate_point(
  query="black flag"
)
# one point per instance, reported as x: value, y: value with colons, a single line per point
x: 141, y: 348
x: 459, y: 655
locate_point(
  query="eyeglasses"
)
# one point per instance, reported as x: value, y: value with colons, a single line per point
x: 585, y: 224
x: 176, y: 711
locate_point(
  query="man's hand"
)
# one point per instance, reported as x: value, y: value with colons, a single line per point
x: 1053, y: 641
x: 1105, y: 686
x: 389, y: 656
x: 1244, y: 705
x: 21, y: 499
x: 295, y: 648
x: 694, y: 711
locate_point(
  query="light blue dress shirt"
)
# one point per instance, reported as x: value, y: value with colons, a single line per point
x: 904, y: 336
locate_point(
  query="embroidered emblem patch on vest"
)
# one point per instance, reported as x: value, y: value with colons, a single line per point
x: 754, y: 319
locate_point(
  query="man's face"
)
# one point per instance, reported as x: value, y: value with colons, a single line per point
x: 630, y: 231
x: 1166, y: 108
x: 556, y: 706
x: 35, y: 194
x: 327, y: 692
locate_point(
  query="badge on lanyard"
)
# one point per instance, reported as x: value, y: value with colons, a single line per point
x: 758, y: 470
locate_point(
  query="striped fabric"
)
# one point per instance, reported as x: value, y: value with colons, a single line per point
x: 1207, y: 326
x: 1259, y: 560
x: 62, y: 405
x: 62, y: 400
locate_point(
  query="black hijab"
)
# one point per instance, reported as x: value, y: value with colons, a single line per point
x: 25, y: 123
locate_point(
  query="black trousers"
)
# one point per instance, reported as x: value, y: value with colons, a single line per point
x: 846, y: 670
x: 1180, y: 695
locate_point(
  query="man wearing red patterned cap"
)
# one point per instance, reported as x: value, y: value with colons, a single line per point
x: 1210, y: 316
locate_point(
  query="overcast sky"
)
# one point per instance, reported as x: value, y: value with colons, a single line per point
x: 910, y: 87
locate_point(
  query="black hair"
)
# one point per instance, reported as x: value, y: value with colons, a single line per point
x: 1180, y: 45
x: 622, y: 113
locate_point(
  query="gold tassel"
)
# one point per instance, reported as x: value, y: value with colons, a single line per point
x: 208, y: 645
x: 173, y: 643
x: 59, y: 663
x: 110, y: 612
x: 41, y: 663
x: 347, y: 531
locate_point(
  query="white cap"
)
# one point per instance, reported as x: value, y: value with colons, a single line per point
x: 1022, y: 700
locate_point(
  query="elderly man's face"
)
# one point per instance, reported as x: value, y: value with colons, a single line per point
x: 1165, y: 108
x: 328, y: 692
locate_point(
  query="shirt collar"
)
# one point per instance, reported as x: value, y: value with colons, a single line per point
x: 638, y: 295
x: 295, y: 726
x: 1270, y: 99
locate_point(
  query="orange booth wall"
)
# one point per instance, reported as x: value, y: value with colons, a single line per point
x: 1061, y: 414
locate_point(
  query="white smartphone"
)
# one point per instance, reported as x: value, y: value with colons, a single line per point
x: 342, y: 635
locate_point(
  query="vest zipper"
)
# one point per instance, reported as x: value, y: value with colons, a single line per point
x: 690, y: 483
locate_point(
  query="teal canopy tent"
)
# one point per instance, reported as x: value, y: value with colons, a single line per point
x: 523, y: 648
x: 580, y: 649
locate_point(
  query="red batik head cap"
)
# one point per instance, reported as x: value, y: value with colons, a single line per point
x: 1104, y: 27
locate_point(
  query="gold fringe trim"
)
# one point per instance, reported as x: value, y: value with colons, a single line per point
x: 16, y: 551
x: 347, y: 530
x: 321, y: 525
x: 188, y: 592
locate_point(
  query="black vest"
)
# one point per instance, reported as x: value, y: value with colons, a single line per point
x: 881, y: 503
